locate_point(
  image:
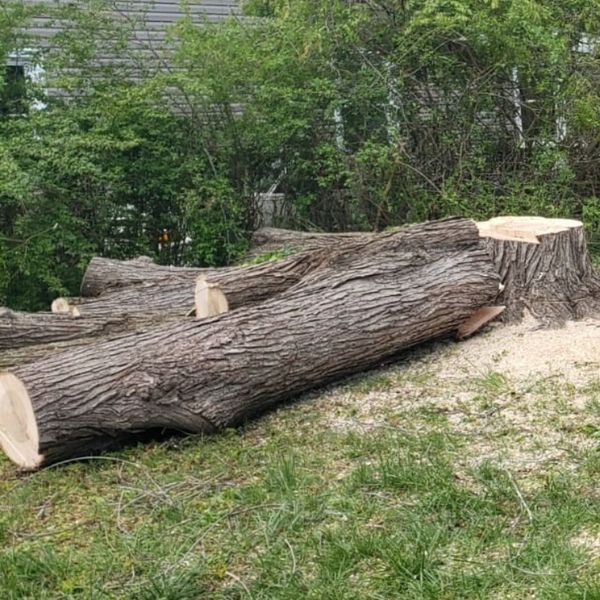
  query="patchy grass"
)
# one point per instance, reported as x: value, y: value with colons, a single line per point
x: 421, y: 480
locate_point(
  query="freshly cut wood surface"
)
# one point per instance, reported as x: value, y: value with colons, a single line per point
x: 209, y: 299
x: 202, y: 376
x: 476, y: 321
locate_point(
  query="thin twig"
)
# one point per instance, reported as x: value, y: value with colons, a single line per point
x: 210, y: 527
x: 236, y: 578
x: 293, y: 558
x: 519, y: 495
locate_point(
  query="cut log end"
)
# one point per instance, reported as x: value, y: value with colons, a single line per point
x: 209, y: 299
x: 18, y: 429
x: 60, y: 305
x: 524, y: 229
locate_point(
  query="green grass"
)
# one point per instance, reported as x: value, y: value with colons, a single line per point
x: 294, y: 506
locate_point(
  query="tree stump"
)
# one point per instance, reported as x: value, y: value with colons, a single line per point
x: 545, y: 268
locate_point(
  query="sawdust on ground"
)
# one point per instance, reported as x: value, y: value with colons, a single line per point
x: 527, y: 350
x: 521, y: 396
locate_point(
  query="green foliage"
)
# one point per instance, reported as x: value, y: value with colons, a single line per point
x: 216, y: 217
x: 426, y: 92
x: 365, y: 115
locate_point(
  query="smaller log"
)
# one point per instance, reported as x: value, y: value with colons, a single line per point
x: 271, y: 239
x: 173, y: 296
x: 44, y: 330
x: 106, y: 274
x: 18, y: 329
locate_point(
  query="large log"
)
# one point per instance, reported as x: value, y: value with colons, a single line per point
x: 543, y: 263
x: 545, y: 268
x: 139, y: 287
x: 202, y: 376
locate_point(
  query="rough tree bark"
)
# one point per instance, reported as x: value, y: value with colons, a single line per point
x: 271, y: 239
x: 543, y: 263
x: 18, y: 329
x: 330, y: 249
x: 23, y: 355
x: 104, y: 274
x: 202, y: 376
x: 120, y: 311
x: 544, y: 267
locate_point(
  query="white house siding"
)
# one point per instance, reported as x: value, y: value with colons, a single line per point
x: 147, y: 25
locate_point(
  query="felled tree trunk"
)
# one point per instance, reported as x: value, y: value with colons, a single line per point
x: 543, y: 263
x: 271, y: 239
x: 105, y: 274
x: 120, y: 311
x: 202, y: 376
x: 335, y: 250
x: 544, y: 267
x: 173, y: 296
